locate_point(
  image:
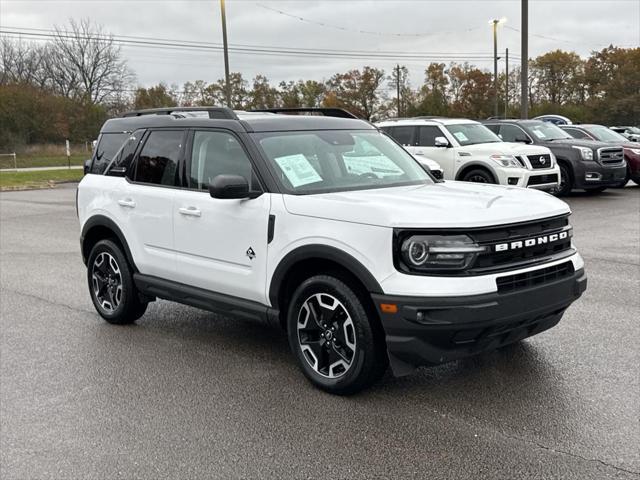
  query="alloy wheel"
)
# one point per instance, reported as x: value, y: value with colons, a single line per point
x: 107, y: 281
x: 326, y: 335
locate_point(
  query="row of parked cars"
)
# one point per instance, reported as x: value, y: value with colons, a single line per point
x: 525, y: 153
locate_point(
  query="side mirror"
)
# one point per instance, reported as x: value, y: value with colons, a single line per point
x: 522, y: 140
x: 87, y: 166
x: 441, y: 142
x: 117, y: 172
x: 230, y: 187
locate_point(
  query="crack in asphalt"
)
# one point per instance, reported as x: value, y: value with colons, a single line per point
x: 46, y: 300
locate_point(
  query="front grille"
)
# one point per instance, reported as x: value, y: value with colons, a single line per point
x: 498, y: 260
x: 611, y: 156
x: 512, y: 283
x: 542, y: 179
x: 437, y: 174
x: 540, y: 161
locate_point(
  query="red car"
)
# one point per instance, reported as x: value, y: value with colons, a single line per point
x: 604, y: 134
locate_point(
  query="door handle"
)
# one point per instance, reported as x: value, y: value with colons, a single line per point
x: 127, y: 202
x: 190, y: 211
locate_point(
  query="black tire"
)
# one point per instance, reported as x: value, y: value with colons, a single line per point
x: 566, y: 181
x: 478, y: 175
x: 113, y: 285
x: 627, y: 177
x: 319, y: 346
x: 595, y: 191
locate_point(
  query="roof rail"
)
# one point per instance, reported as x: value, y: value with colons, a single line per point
x: 327, y: 112
x: 214, y: 112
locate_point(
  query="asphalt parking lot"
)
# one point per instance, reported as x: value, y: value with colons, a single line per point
x: 188, y: 394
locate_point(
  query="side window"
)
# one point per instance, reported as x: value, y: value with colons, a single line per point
x: 158, y: 160
x: 217, y: 153
x: 575, y: 133
x: 494, y: 128
x: 511, y: 133
x: 124, y: 157
x: 107, y: 147
x: 403, y: 135
x: 427, y: 136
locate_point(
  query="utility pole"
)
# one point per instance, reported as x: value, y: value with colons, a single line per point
x: 524, y: 54
x: 495, y: 67
x: 227, y: 84
x: 398, y: 87
x: 506, y: 83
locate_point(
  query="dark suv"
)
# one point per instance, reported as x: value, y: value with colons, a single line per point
x: 584, y: 164
x: 604, y: 134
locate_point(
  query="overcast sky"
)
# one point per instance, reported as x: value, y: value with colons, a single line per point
x: 459, y: 28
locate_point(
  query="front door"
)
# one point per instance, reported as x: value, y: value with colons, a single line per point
x: 221, y: 245
x: 426, y: 146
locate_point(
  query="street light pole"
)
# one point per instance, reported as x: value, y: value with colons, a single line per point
x: 524, y: 54
x: 227, y: 84
x: 506, y: 83
x: 495, y: 67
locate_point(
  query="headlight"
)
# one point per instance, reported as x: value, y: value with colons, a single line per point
x: 439, y: 252
x: 635, y: 150
x: 508, y: 161
x: 586, y: 152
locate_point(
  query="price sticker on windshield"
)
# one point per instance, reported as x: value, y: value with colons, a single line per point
x: 298, y: 170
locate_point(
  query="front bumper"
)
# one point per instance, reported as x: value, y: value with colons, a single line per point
x: 546, y: 179
x: 590, y: 174
x: 434, y: 330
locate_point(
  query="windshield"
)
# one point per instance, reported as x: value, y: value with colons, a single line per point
x: 547, y: 131
x: 472, y: 134
x: 605, y: 134
x: 634, y: 130
x: 338, y: 160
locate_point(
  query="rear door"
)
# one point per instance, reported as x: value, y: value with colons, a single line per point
x: 221, y: 244
x: 146, y: 204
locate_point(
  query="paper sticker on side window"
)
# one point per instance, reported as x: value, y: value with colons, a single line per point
x: 298, y: 170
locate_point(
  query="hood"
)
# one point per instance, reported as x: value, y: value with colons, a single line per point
x: 441, y: 205
x: 578, y: 142
x: 505, y: 148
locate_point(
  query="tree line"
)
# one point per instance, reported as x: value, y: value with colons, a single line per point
x: 67, y: 87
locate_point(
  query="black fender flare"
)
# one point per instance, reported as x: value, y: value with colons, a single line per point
x: 320, y: 252
x: 105, y: 222
x: 478, y: 165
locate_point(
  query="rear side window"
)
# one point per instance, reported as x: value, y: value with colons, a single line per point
x: 124, y: 157
x: 108, y: 145
x: 158, y: 160
x: 403, y: 135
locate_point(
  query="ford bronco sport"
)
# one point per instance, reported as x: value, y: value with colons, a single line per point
x: 326, y: 227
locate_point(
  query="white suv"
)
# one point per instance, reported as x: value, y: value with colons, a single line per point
x: 323, y: 226
x: 469, y: 151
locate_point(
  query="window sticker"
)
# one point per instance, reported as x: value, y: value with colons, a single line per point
x: 298, y: 170
x: 461, y: 137
x: 539, y: 133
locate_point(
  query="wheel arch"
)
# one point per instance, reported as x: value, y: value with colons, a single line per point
x: 476, y: 166
x: 100, y: 227
x: 304, y: 262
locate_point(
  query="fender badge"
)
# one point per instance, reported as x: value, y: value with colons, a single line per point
x: 251, y: 254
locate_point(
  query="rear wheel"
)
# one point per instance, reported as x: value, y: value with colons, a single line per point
x: 478, y: 175
x: 566, y: 181
x: 111, y: 284
x: 333, y: 337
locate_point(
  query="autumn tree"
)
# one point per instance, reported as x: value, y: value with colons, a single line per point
x: 262, y: 94
x: 154, y: 97
x: 559, y: 77
x: 358, y: 91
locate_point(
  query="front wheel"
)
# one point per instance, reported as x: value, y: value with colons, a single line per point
x: 478, y: 175
x: 333, y: 336
x: 111, y: 286
x: 566, y: 181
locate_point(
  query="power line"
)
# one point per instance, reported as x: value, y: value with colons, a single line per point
x: 259, y: 50
x: 365, y: 32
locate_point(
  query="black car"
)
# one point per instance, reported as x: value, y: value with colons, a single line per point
x: 584, y: 164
